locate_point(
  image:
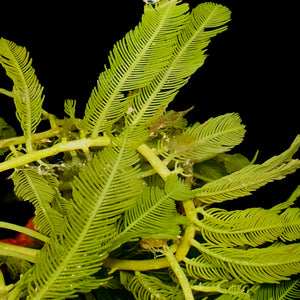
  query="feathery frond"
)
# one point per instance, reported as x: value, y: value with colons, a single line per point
x: 286, y: 290
x: 219, y: 166
x: 253, y: 226
x: 41, y: 191
x: 204, y: 141
x: 200, y: 268
x: 27, y: 91
x: 145, y: 287
x: 250, y: 178
x: 205, y: 22
x: 70, y: 106
x: 154, y: 215
x: 102, y: 191
x: 254, y: 265
x: 133, y: 63
x: 224, y: 287
x: 291, y: 217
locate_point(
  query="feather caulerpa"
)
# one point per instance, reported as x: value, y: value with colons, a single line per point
x: 133, y: 202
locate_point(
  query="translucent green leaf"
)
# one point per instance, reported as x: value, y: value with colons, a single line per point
x: 209, y: 170
x: 219, y: 166
x: 233, y: 162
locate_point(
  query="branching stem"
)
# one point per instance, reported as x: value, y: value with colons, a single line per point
x: 82, y: 144
x: 162, y: 170
x: 135, y: 265
x: 155, y: 161
x: 189, y: 232
x: 184, y: 283
x: 18, y: 140
x: 25, y: 253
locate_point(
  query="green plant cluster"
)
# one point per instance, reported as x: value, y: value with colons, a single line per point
x: 127, y: 197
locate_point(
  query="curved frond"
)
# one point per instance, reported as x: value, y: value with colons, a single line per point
x: 286, y: 290
x: 102, y: 191
x: 133, y: 63
x: 154, y: 215
x: 253, y: 226
x: 250, y: 178
x: 200, y: 268
x: 205, y: 22
x: 41, y: 191
x: 204, y: 141
x: 224, y: 287
x: 145, y: 287
x: 266, y: 265
x: 27, y: 91
x: 291, y: 217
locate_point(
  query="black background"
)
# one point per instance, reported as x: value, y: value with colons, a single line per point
x: 252, y: 68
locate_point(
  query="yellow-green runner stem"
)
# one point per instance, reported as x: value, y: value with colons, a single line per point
x: 52, y: 119
x: 160, y: 168
x: 115, y: 264
x: 25, y: 253
x: 25, y: 230
x: 42, y: 136
x: 82, y: 144
x: 189, y: 232
x: 184, y: 283
x: 185, y: 245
